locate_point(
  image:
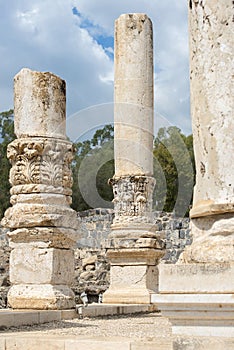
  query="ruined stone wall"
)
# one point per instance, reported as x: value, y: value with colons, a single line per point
x: 91, y: 265
x: 4, y: 267
x: 175, y: 232
x: 94, y: 227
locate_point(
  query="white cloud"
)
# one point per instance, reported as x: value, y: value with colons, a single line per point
x: 47, y: 36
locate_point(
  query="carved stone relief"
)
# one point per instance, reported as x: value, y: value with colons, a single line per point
x: 133, y: 198
x: 40, y: 161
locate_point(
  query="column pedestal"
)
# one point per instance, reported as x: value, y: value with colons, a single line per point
x: 134, y: 275
x: 42, y: 226
x: 133, y: 247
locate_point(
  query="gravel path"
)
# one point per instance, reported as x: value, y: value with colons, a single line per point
x: 147, y: 326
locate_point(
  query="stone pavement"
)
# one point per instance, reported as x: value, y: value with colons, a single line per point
x: 145, y: 330
x: 123, y: 332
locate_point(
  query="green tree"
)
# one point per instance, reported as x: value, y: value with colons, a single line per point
x: 174, y: 170
x: 6, y: 136
x: 93, y: 165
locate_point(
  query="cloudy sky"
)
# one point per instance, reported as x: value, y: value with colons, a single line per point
x: 74, y: 39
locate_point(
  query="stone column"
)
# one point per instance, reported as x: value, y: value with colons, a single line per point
x: 211, y: 47
x: 203, y: 274
x: 133, y: 247
x: 43, y: 227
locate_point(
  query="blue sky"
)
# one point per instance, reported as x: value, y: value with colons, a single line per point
x: 106, y: 41
x: 74, y: 39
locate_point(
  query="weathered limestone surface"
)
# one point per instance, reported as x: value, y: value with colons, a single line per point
x: 213, y: 240
x: 40, y: 296
x: 40, y: 102
x: 197, y: 295
x: 133, y: 95
x: 41, y: 266
x: 133, y: 275
x: 133, y: 246
x: 211, y: 54
x: 43, y: 228
x: 133, y: 206
x: 196, y: 278
x: 91, y: 264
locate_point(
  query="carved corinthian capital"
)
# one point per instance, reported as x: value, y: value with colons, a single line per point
x: 133, y: 199
x: 43, y: 161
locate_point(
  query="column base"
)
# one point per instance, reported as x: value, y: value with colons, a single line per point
x: 197, y: 298
x: 127, y: 295
x: 133, y: 276
x: 198, y: 314
x: 214, y: 278
x: 41, y: 297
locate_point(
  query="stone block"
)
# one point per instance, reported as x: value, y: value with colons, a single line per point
x: 198, y: 314
x: 49, y: 316
x: 134, y: 276
x: 35, y: 343
x: 41, y: 297
x: 196, y: 278
x: 6, y: 319
x: 94, y: 310
x: 23, y: 215
x: 160, y: 343
x: 16, y: 318
x: 203, y: 343
x: 44, y: 237
x: 213, y: 240
x: 31, y: 265
x: 96, y: 344
x: 137, y: 256
x: 68, y: 314
x: 131, y: 284
x: 25, y: 318
x: 2, y: 344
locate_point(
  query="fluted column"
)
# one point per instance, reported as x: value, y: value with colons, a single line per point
x: 43, y: 227
x: 133, y: 248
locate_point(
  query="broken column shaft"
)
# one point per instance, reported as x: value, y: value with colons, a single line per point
x: 133, y: 243
x: 42, y: 224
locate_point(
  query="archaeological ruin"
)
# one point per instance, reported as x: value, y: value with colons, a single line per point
x: 43, y: 228
x: 190, y: 283
x: 133, y: 247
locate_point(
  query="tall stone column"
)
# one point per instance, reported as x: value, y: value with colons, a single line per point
x: 201, y: 283
x: 133, y: 247
x: 211, y: 48
x: 43, y: 227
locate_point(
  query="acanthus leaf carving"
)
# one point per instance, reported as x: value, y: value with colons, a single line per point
x: 133, y: 198
x: 40, y: 161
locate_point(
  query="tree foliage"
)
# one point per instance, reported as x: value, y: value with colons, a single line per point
x: 93, y: 165
x: 174, y: 170
x: 6, y: 136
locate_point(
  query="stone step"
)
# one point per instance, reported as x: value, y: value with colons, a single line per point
x: 15, y: 318
x: 45, y: 342
x: 198, y: 314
